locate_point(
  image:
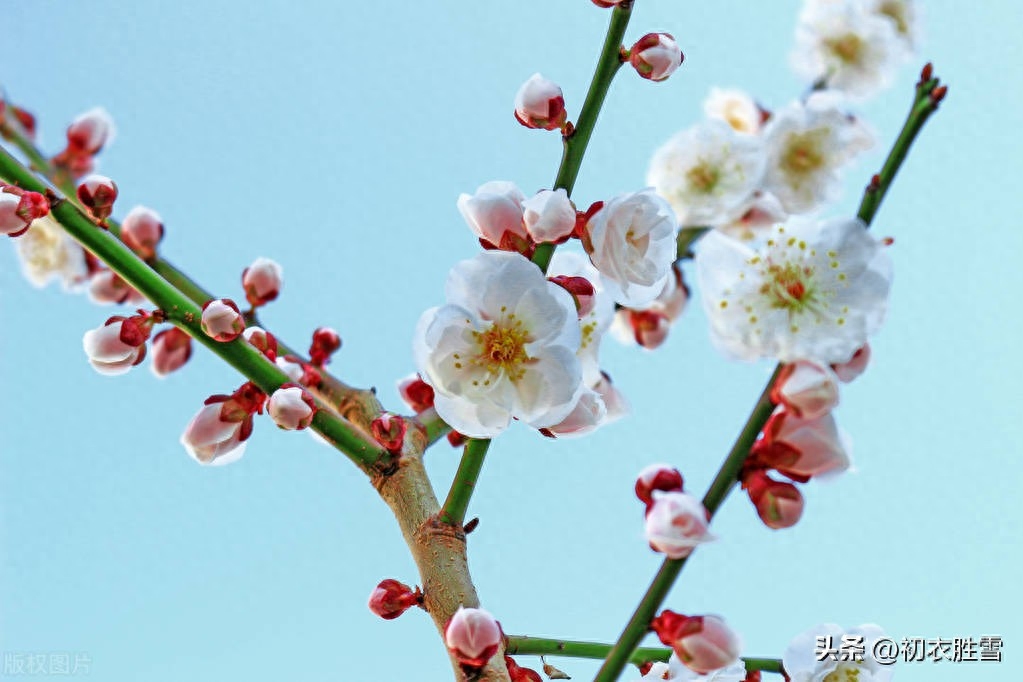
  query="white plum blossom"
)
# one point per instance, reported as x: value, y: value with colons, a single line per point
x: 631, y: 242
x: 675, y: 671
x: 503, y: 347
x: 802, y: 663
x: 813, y: 291
x: 763, y: 211
x: 807, y: 144
x: 736, y: 108
x: 847, y: 46
x: 549, y: 215
x: 494, y: 213
x: 708, y: 173
x: 47, y: 252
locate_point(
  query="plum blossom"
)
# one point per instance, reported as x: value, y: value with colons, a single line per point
x: 473, y: 636
x: 807, y: 144
x: 47, y: 252
x: 648, y: 325
x: 549, y: 215
x: 631, y: 242
x: 802, y: 664
x: 262, y: 281
x: 814, y: 291
x: 19, y: 208
x: 503, y: 347
x: 802, y: 448
x: 90, y: 132
x: 221, y: 320
x: 539, y: 103
x: 905, y: 15
x: 704, y: 644
x: 217, y: 433
x: 807, y: 389
x: 655, y: 56
x: 736, y: 108
x: 847, y: 46
x: 676, y: 523
x: 171, y: 350
x: 675, y: 671
x: 291, y: 408
x: 494, y: 214
x: 708, y: 173
x: 119, y: 344
x: 141, y: 231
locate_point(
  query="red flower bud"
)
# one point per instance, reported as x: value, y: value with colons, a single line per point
x: 391, y: 598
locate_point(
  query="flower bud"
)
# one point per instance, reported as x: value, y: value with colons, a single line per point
x: 519, y: 674
x: 472, y: 636
x: 141, y: 231
x: 19, y: 208
x: 266, y: 343
x: 847, y: 371
x: 389, y: 430
x: 801, y: 448
x: 217, y: 433
x: 89, y: 132
x: 325, y: 343
x: 171, y: 350
x: 416, y: 393
x: 221, y: 320
x: 26, y: 119
x: 291, y: 408
x: 607, y: 3
x: 662, y: 477
x: 391, y: 598
x: 806, y: 389
x: 582, y: 291
x: 456, y: 439
x: 98, y: 193
x: 262, y: 281
x: 494, y: 214
x: 702, y: 643
x: 779, y: 504
x: 119, y: 344
x: 549, y: 216
x: 655, y: 56
x: 676, y: 523
x: 649, y: 327
x: 107, y: 287
x: 290, y: 365
x: 540, y: 103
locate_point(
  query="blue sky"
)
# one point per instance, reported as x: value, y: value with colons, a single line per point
x: 335, y: 138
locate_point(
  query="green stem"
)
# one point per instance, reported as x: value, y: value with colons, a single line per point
x: 575, y: 143
x: 183, y: 312
x: 435, y: 427
x: 453, y: 511
x: 688, y: 236
x: 519, y: 645
x: 924, y: 105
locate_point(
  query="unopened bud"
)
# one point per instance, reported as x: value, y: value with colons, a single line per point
x: 807, y: 389
x: 98, y: 193
x: 107, y: 287
x: 540, y: 103
x: 265, y: 343
x: 473, y: 636
x: 702, y: 643
x: 89, y: 132
x: 606, y: 4
x: 171, y: 350
x: 19, y: 208
x: 676, y: 523
x: 857, y: 364
x: 291, y: 408
x: 662, y: 477
x: 416, y: 393
x: 389, y: 430
x: 649, y: 327
x: 655, y: 56
x: 222, y: 320
x: 519, y: 674
x: 391, y: 598
x: 119, y: 344
x: 779, y: 504
x: 325, y: 343
x: 802, y: 448
x: 262, y: 281
x: 549, y: 216
x: 141, y: 231
x: 582, y: 291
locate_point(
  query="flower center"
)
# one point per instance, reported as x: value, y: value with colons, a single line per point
x: 502, y: 347
x: 845, y: 672
x: 788, y: 286
x: 803, y: 154
x: 703, y: 177
x: 848, y: 48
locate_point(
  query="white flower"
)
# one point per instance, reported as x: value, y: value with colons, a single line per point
x: 112, y: 349
x: 814, y: 291
x: 47, y: 252
x: 549, y: 215
x: 539, y: 103
x: 211, y: 439
x: 846, y: 45
x: 631, y: 242
x: 707, y: 173
x: 806, y: 146
x: 676, y: 523
x: 801, y: 664
x: 763, y: 211
x: 736, y: 108
x: 904, y: 14
x: 504, y: 346
x: 678, y: 672
x: 494, y: 213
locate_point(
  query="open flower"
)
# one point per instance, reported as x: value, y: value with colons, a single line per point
x: 503, y: 347
x: 814, y: 291
x: 47, y: 252
x: 802, y: 662
x: 736, y: 108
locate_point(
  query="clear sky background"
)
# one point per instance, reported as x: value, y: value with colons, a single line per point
x: 335, y: 138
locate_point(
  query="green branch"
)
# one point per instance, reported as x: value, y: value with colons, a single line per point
x: 576, y: 142
x: 183, y: 311
x: 453, y: 511
x: 924, y: 104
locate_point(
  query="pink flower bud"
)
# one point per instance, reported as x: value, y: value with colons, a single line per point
x: 416, y: 393
x: 473, y: 636
x: 607, y: 3
x: 19, y: 208
x: 389, y: 430
x: 655, y: 56
x: 540, y: 103
x: 171, y: 350
x: 221, y: 320
x: 801, y: 448
x: 649, y: 327
x: 806, y: 389
x: 391, y: 598
x: 26, y: 119
x: 217, y: 433
x: 581, y: 290
x: 661, y: 477
x: 847, y: 371
x: 119, y: 344
x: 262, y: 281
x: 292, y: 367
x: 141, y: 231
x: 494, y: 214
x: 107, y: 287
x: 98, y: 193
x: 702, y: 643
x: 264, y: 342
x: 291, y: 408
x: 325, y: 343
x: 676, y: 523
x: 549, y: 216
x: 89, y: 132
x: 779, y: 504
x: 519, y: 674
